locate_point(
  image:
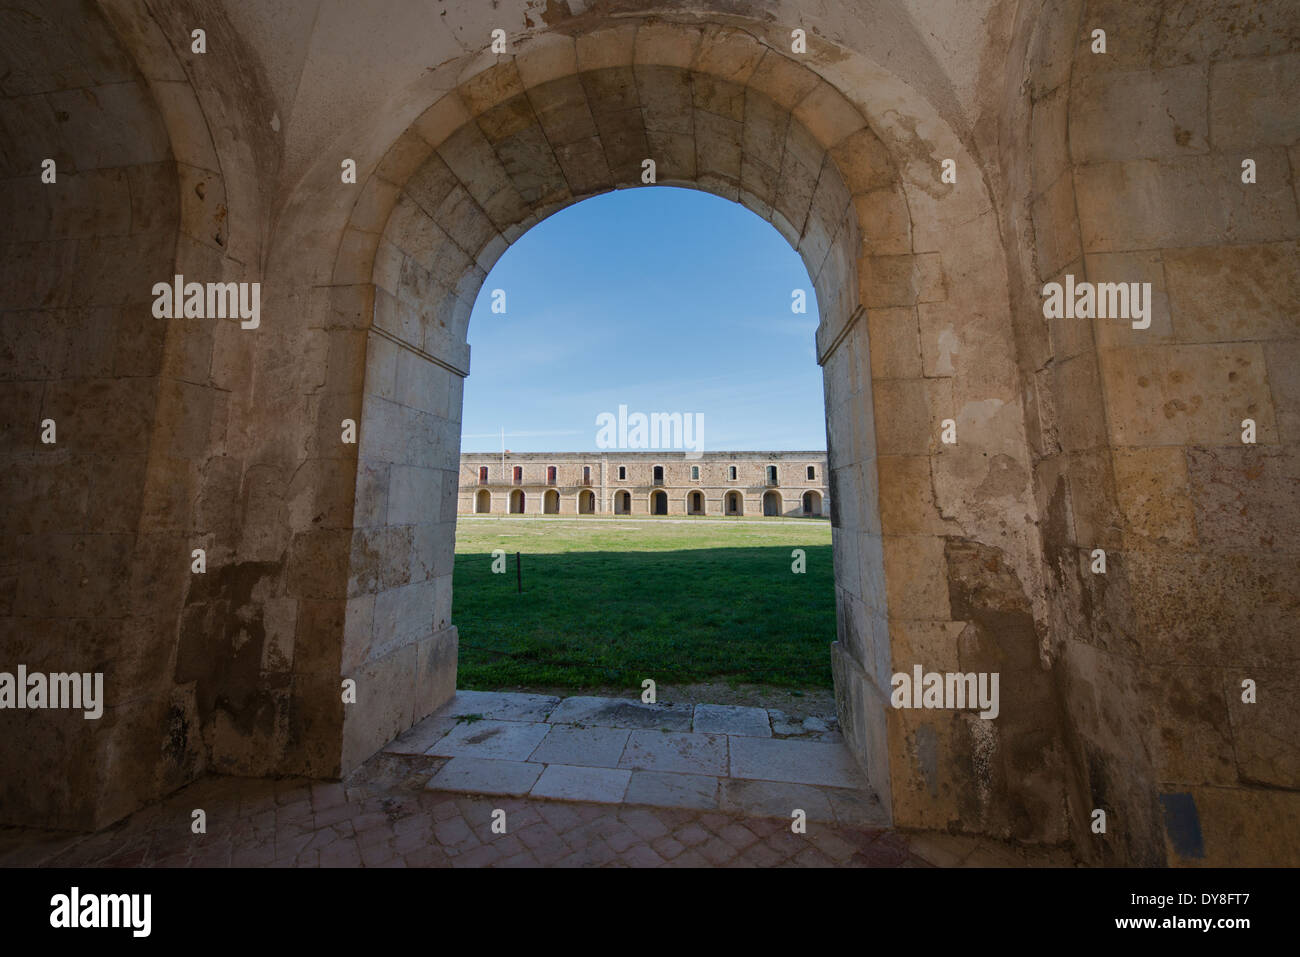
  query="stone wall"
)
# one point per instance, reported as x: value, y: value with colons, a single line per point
x: 1127, y: 166
x: 330, y: 560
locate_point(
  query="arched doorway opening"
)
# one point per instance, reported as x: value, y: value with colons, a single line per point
x: 695, y: 503
x: 551, y: 502
x: 735, y: 504
x: 586, y: 502
x: 812, y: 503
x: 483, y: 501
x: 517, y: 502
x: 659, y: 503
x: 771, y: 504
x: 622, y: 502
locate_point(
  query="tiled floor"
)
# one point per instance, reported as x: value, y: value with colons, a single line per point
x: 394, y: 812
x: 615, y: 750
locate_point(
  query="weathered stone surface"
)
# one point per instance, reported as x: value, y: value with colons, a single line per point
x: 1123, y: 166
x: 496, y: 740
x: 598, y: 785
x: 621, y: 713
x: 731, y: 719
x: 791, y: 760
x: 677, y: 753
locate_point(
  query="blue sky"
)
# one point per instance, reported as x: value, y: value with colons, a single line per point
x: 661, y: 299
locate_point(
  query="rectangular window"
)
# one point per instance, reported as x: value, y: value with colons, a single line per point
x: 586, y: 475
x: 731, y: 473
x: 550, y: 475
x: 622, y: 473
x: 812, y: 473
x: 771, y: 475
x: 482, y: 475
x: 519, y: 474
x: 695, y: 473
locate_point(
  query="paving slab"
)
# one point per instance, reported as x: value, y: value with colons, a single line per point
x: 483, y: 776
x: 775, y: 799
x: 420, y: 738
x: 854, y: 808
x: 682, y: 753
x: 562, y: 782
x: 796, y: 761
x: 732, y: 719
x: 622, y: 713
x: 582, y: 747
x: 498, y: 740
x: 500, y: 705
x: 660, y: 789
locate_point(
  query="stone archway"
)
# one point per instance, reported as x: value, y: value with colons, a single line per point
x: 658, y: 502
x: 771, y: 503
x: 551, y: 502
x: 718, y: 110
x: 483, y: 501
x: 812, y: 502
x: 371, y: 286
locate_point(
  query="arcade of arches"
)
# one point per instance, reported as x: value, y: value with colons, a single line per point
x: 328, y: 559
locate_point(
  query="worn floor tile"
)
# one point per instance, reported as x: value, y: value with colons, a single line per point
x: 483, y: 776
x: 789, y: 759
x: 567, y: 783
x: 501, y: 740
x: 732, y: 719
x: 584, y: 747
x: 684, y: 753
x: 622, y: 713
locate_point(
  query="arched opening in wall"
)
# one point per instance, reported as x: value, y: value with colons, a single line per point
x: 483, y: 501
x: 771, y: 504
x: 735, y: 504
x: 551, y: 502
x: 769, y: 134
x: 679, y: 591
x: 517, y: 502
x: 812, y: 503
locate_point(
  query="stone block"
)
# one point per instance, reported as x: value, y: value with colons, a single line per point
x: 1231, y: 293
x: 596, y: 785
x: 495, y: 740
x: 1141, y: 114
x: 795, y: 761
x: 731, y: 719
x: 1186, y: 395
x: 676, y: 752
x: 581, y: 746
x: 1152, y: 490
x: 917, y: 586
x: 660, y: 789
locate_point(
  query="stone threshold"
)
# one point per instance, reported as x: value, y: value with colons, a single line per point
x: 700, y: 757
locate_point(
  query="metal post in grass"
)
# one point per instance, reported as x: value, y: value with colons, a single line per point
x: 519, y: 575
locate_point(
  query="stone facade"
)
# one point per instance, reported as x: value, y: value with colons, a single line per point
x: 644, y: 483
x: 934, y: 162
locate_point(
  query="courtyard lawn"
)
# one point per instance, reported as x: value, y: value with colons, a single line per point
x: 611, y: 601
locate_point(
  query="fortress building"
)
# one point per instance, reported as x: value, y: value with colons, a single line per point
x: 644, y: 483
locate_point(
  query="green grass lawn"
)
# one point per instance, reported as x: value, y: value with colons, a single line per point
x: 609, y: 602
